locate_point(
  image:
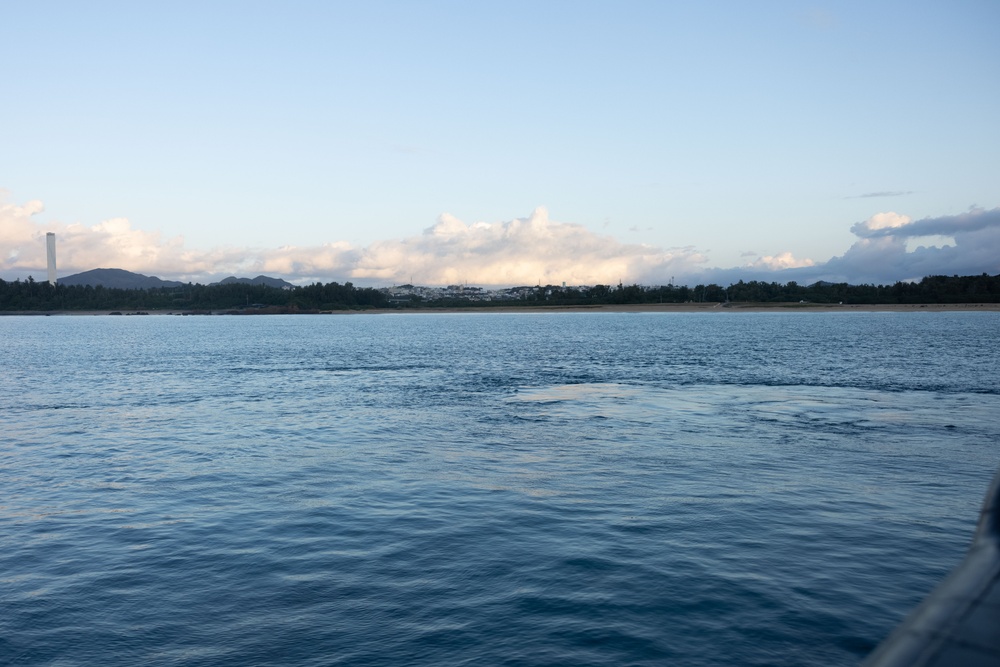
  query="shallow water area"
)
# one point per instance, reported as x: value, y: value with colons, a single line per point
x: 520, y: 489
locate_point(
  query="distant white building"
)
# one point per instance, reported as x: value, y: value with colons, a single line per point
x: 50, y: 248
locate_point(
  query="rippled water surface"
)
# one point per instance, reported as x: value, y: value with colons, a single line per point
x: 485, y: 489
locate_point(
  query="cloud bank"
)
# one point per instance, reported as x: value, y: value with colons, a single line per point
x: 883, y: 249
x: 892, y: 247
x: 516, y: 252
x: 524, y: 251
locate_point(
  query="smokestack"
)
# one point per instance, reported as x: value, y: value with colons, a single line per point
x: 50, y: 247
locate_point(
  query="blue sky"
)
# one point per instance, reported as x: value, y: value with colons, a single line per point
x: 499, y: 142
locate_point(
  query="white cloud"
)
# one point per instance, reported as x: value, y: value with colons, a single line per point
x: 783, y: 260
x: 901, y: 226
x: 967, y: 244
x: 887, y: 220
x: 893, y: 247
x: 890, y: 247
x: 112, y: 243
x: 523, y: 251
x: 519, y: 251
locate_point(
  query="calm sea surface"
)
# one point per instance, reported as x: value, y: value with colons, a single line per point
x: 485, y: 489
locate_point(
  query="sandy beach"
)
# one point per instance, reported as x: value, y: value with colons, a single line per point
x: 726, y: 308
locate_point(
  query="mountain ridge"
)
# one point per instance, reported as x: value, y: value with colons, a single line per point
x: 117, y: 278
x: 259, y: 280
x: 122, y: 279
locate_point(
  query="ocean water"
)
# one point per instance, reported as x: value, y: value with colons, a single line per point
x: 485, y: 488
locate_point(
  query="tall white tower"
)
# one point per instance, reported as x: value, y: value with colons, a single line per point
x: 50, y: 247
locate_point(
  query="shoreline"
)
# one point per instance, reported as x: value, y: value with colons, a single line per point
x: 744, y: 307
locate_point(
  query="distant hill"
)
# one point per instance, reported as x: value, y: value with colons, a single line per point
x: 259, y: 280
x: 118, y: 278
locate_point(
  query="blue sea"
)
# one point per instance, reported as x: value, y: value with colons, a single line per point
x: 530, y: 489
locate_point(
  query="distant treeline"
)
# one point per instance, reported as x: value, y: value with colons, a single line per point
x: 932, y: 289
x: 31, y: 295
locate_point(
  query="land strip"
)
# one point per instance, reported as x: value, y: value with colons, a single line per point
x: 733, y: 307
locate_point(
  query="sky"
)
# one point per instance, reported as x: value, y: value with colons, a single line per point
x: 502, y: 143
